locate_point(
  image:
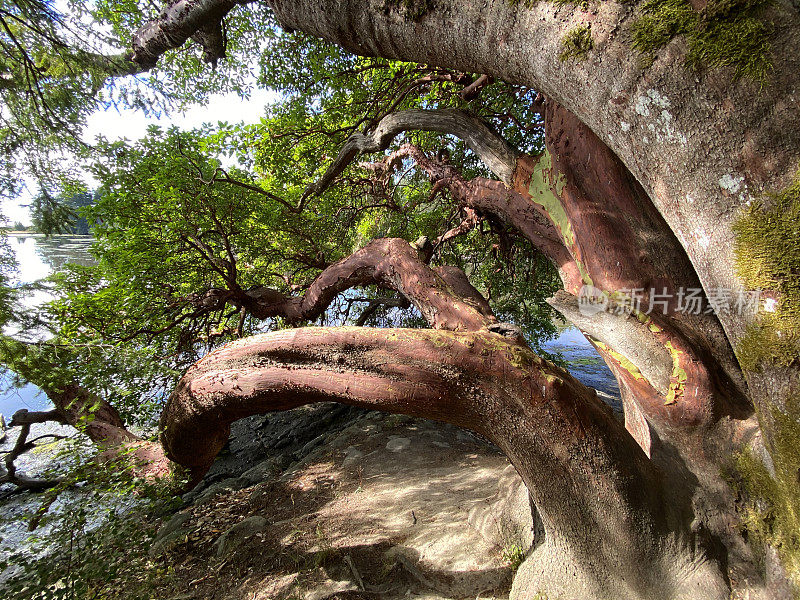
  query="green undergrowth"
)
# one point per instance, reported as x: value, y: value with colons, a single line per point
x: 767, y: 247
x: 726, y: 33
x: 577, y: 44
x: 91, y: 533
x: 771, y: 514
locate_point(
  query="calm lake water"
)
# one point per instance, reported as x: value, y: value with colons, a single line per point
x: 37, y: 258
x: 585, y: 364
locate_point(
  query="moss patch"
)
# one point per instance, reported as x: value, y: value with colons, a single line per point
x: 767, y: 247
x: 726, y: 33
x: 771, y: 513
x: 413, y: 10
x: 577, y: 44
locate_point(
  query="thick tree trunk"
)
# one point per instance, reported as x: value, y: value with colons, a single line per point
x: 701, y: 145
x: 604, y: 506
x: 684, y: 394
x: 692, y: 139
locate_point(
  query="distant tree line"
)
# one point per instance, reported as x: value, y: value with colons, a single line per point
x: 61, y: 214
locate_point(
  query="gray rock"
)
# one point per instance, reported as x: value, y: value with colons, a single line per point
x: 262, y: 471
x: 352, y: 456
x: 306, y: 450
x: 397, y: 443
x: 228, y: 485
x: 465, y: 436
x: 238, y: 533
x: 171, y: 534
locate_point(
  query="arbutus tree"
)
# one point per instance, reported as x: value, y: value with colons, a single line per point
x: 675, y: 386
x: 651, y: 187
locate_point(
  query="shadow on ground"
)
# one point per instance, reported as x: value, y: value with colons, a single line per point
x: 376, y: 507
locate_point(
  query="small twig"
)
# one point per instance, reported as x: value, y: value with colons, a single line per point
x: 353, y: 569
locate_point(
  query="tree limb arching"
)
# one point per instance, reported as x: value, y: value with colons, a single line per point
x: 389, y: 262
x: 179, y: 21
x: 591, y: 482
x: 644, y: 116
x: 78, y: 407
x: 491, y: 148
x: 588, y: 477
x: 521, y: 44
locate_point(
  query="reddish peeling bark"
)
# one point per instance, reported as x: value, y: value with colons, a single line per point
x: 624, y: 244
x: 617, y: 241
x: 510, y: 203
x: 602, y: 503
x: 690, y: 413
x: 102, y: 424
x: 446, y: 300
x: 650, y: 205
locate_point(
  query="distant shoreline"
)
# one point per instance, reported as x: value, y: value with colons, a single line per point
x: 20, y: 233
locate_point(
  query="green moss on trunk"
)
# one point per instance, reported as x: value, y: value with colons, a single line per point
x: 577, y: 44
x: 771, y: 513
x: 413, y: 10
x: 726, y: 33
x: 767, y: 250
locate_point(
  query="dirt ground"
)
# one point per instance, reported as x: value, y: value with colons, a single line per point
x: 389, y: 507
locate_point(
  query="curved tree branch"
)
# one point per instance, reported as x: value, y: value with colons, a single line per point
x: 92, y: 415
x: 21, y: 446
x: 392, y: 263
x: 600, y: 498
x: 179, y: 21
x: 491, y: 148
